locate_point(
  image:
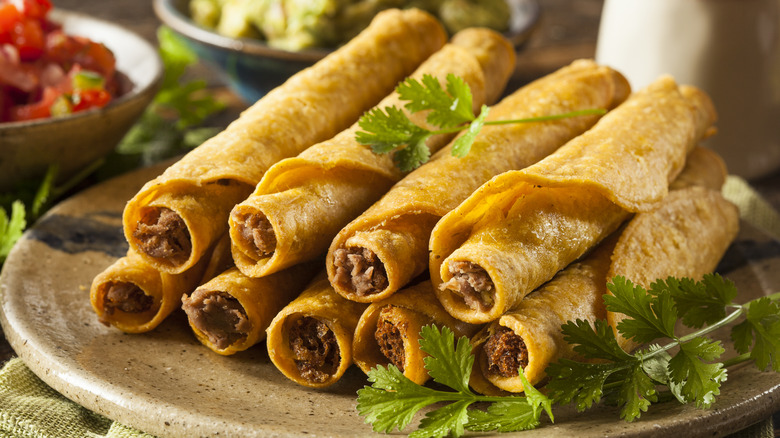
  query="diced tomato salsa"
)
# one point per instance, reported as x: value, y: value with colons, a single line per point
x: 45, y: 72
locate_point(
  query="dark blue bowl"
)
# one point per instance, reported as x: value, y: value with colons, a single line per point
x: 251, y: 68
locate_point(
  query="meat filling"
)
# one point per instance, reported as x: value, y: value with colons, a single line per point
x: 217, y: 315
x: 360, y: 270
x: 126, y: 297
x: 315, y: 349
x: 506, y: 353
x: 390, y: 339
x: 162, y: 234
x: 257, y: 232
x: 471, y: 282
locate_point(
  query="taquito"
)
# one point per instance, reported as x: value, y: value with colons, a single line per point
x: 388, y: 332
x: 685, y: 236
x: 135, y: 297
x: 178, y: 215
x: 310, y: 340
x: 231, y: 312
x: 519, y: 229
x: 383, y: 249
x: 302, y: 202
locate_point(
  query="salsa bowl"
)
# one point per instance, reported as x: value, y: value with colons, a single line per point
x: 28, y: 148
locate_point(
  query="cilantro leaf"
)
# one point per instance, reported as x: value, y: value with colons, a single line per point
x: 600, y: 343
x: 447, y: 363
x: 761, y: 329
x: 445, y: 421
x: 655, y: 363
x: 414, y: 155
x: 535, y: 398
x: 649, y: 316
x: 393, y: 400
x: 385, y: 130
x: 462, y: 145
x: 448, y: 108
x: 11, y: 228
x: 582, y: 383
x: 509, y: 416
x: 699, y: 302
x: 636, y: 393
x: 700, y: 380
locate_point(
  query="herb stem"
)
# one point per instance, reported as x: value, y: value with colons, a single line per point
x: 585, y: 112
x: 677, y: 341
x: 736, y: 360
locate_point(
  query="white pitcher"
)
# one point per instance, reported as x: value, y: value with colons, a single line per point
x: 729, y: 48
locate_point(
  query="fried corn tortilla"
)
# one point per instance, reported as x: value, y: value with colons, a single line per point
x: 176, y: 217
x: 135, y: 297
x: 389, y: 330
x: 310, y: 340
x: 384, y: 248
x: 522, y: 227
x: 231, y: 312
x: 685, y: 236
x: 302, y: 202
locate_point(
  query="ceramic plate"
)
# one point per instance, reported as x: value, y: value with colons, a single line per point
x: 168, y: 384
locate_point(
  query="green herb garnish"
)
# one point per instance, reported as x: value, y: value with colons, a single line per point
x: 693, y: 374
x: 389, y: 129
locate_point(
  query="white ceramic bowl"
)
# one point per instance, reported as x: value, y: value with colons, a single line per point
x: 28, y: 148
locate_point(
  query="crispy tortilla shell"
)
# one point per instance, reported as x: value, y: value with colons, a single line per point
x: 398, y: 226
x: 311, y: 106
x: 524, y: 226
x: 308, y: 199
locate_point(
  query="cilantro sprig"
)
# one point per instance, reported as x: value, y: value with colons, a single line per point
x: 393, y: 400
x: 389, y: 129
x: 632, y: 381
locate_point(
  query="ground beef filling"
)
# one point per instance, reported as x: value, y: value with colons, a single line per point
x: 217, y: 315
x: 126, y: 297
x: 471, y: 282
x: 390, y: 339
x: 162, y: 234
x: 506, y: 353
x: 315, y: 349
x: 359, y: 270
x: 257, y: 232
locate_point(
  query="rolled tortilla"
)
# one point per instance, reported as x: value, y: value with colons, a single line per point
x: 135, y: 297
x: 302, y: 202
x: 310, y: 340
x: 522, y: 227
x: 384, y: 248
x: 389, y: 330
x: 178, y: 215
x: 231, y: 312
x: 685, y: 236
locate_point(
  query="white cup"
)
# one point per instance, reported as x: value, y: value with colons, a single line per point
x: 729, y: 48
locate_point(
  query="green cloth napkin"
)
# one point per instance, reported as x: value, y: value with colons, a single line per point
x: 31, y: 409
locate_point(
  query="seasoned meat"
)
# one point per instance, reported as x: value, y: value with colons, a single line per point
x: 217, y: 315
x: 257, y: 232
x: 360, y: 270
x: 162, y: 234
x: 315, y: 349
x: 506, y: 353
x: 472, y: 283
x: 390, y: 338
x: 126, y: 297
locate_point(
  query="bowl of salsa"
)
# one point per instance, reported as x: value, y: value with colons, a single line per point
x: 70, y: 88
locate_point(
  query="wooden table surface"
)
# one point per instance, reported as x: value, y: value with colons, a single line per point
x: 566, y: 30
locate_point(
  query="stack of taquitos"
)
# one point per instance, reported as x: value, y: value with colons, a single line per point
x: 384, y: 248
x: 174, y: 218
x: 685, y: 236
x: 302, y: 202
x: 522, y: 227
